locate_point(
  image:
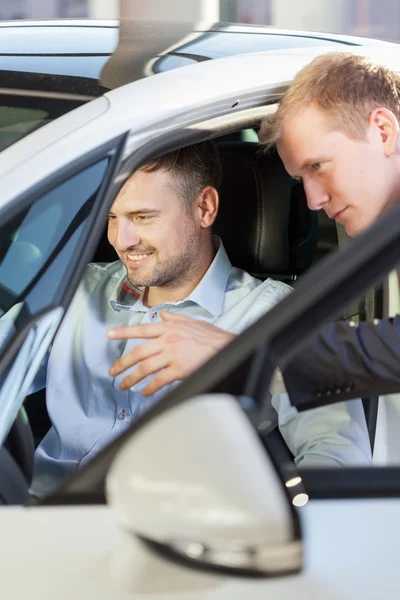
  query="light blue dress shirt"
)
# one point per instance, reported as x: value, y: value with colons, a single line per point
x: 88, y: 409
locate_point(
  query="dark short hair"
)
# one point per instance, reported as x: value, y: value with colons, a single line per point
x: 193, y: 167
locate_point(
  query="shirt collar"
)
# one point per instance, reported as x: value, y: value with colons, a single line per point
x: 125, y: 295
x: 209, y: 293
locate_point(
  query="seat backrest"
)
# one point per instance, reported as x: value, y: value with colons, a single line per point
x: 263, y: 220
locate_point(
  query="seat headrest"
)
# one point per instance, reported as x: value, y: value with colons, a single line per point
x: 263, y: 218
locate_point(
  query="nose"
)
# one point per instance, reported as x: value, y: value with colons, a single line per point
x: 316, y: 195
x: 126, y: 235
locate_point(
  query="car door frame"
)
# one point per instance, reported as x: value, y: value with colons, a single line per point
x: 86, y: 244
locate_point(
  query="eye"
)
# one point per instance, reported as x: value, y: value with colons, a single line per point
x: 142, y: 218
x: 316, y: 166
x: 111, y: 217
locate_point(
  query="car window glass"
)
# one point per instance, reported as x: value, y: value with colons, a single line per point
x: 36, y: 247
x: 74, y: 66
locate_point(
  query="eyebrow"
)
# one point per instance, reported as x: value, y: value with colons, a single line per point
x: 143, y: 211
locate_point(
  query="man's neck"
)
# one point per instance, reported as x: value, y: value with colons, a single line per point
x: 156, y: 296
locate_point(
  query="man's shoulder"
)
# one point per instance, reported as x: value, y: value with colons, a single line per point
x: 275, y: 287
x: 241, y: 279
x: 248, y: 299
x: 101, y: 277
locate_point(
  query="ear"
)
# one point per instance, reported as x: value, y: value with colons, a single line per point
x: 387, y: 126
x: 207, y: 205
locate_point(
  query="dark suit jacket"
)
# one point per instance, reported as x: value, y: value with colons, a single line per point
x: 345, y: 362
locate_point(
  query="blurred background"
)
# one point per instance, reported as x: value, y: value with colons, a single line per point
x: 370, y: 18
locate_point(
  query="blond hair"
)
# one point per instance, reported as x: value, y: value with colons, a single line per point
x: 346, y: 87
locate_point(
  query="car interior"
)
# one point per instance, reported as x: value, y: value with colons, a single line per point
x: 267, y: 230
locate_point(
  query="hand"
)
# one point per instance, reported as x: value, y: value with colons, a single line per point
x: 176, y: 347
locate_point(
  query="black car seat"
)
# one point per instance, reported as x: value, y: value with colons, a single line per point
x: 263, y: 219
x: 265, y: 224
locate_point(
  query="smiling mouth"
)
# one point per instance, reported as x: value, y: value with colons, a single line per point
x: 339, y: 214
x: 136, y: 259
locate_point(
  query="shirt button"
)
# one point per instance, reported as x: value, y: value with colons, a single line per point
x: 154, y: 316
x: 122, y: 415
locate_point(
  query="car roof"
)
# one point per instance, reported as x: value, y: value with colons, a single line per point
x: 100, y: 55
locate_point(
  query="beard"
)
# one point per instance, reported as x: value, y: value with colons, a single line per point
x: 172, y: 272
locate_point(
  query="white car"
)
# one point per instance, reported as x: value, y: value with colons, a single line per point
x: 192, y: 501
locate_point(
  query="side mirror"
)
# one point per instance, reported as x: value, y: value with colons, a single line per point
x: 196, y: 483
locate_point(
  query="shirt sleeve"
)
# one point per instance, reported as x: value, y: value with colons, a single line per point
x: 333, y: 435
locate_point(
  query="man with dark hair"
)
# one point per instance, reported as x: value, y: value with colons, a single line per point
x: 172, y: 271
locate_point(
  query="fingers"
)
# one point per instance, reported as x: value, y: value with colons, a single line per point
x: 137, y: 354
x: 146, y: 367
x: 164, y: 377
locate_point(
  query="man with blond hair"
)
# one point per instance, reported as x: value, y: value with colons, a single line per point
x: 337, y: 130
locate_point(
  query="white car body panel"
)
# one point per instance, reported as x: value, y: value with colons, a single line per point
x: 351, y: 553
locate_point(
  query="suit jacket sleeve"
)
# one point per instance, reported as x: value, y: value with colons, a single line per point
x: 344, y: 362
